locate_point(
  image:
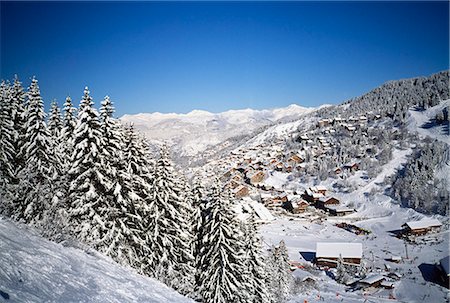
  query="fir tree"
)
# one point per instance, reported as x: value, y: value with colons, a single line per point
x: 341, y: 271
x: 171, y: 259
x: 18, y: 118
x: 221, y: 278
x: 55, y: 122
x: 88, y: 206
x: 281, y: 277
x: 34, y: 191
x: 139, y: 166
x: 122, y: 219
x: 6, y: 148
x: 255, y: 263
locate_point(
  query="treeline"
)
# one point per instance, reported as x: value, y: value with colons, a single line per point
x: 81, y: 175
x: 393, y: 99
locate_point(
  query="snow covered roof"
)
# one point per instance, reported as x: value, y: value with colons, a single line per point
x: 340, y: 209
x: 372, y: 278
x: 333, y: 250
x: 302, y: 275
x: 247, y: 206
x: 424, y: 223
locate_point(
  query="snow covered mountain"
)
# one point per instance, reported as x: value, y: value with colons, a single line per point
x: 33, y: 269
x: 197, y: 130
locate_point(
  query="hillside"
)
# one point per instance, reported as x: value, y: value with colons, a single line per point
x: 34, y: 269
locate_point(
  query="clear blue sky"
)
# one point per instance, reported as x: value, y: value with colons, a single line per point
x: 178, y: 56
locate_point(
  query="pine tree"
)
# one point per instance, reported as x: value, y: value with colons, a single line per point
x: 255, y: 263
x: 138, y: 166
x: 88, y: 206
x: 6, y: 148
x: 221, y: 278
x: 281, y: 277
x: 171, y: 259
x: 122, y: 219
x: 341, y: 271
x: 54, y: 121
x: 34, y: 191
x: 18, y: 118
x: 198, y: 221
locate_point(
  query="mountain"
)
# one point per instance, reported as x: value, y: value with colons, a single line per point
x: 34, y: 269
x: 194, y: 132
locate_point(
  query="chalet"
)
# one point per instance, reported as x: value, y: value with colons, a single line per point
x: 327, y: 254
x: 240, y: 191
x: 280, y: 198
x: 324, y: 122
x: 339, y: 210
x: 319, y: 189
x: 325, y: 202
x: 295, y: 159
x: 300, y: 274
x: 279, y: 166
x: 247, y: 160
x: 421, y: 227
x: 304, y: 137
x: 311, y: 196
x: 237, y: 178
x: 257, y: 177
x: 232, y: 184
x: 350, y: 127
x: 227, y: 174
x: 351, y: 166
x: 372, y: 280
x: 296, y: 206
x: 337, y: 170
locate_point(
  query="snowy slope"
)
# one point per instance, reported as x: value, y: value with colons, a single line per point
x: 33, y: 269
x: 422, y: 122
x: 196, y: 131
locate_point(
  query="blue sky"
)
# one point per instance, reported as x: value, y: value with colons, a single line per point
x: 180, y: 56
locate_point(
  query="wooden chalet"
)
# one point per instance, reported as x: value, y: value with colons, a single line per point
x: 297, y: 206
x: 257, y: 177
x: 226, y: 176
x: 351, y: 167
x: 232, y: 184
x: 311, y: 196
x: 337, y: 170
x: 421, y: 227
x: 325, y: 202
x: 339, y: 210
x: 327, y: 254
x: 319, y: 189
x: 295, y: 159
x: 241, y: 191
x: 237, y: 178
x: 280, y: 198
x: 372, y: 280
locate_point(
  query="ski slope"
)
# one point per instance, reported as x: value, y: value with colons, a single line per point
x: 33, y: 269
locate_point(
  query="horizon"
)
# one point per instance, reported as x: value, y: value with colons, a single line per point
x: 176, y: 57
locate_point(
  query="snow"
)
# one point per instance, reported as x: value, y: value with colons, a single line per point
x: 418, y: 121
x: 424, y: 223
x: 246, y: 206
x: 372, y: 278
x: 36, y: 270
x: 197, y: 130
x: 334, y: 250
